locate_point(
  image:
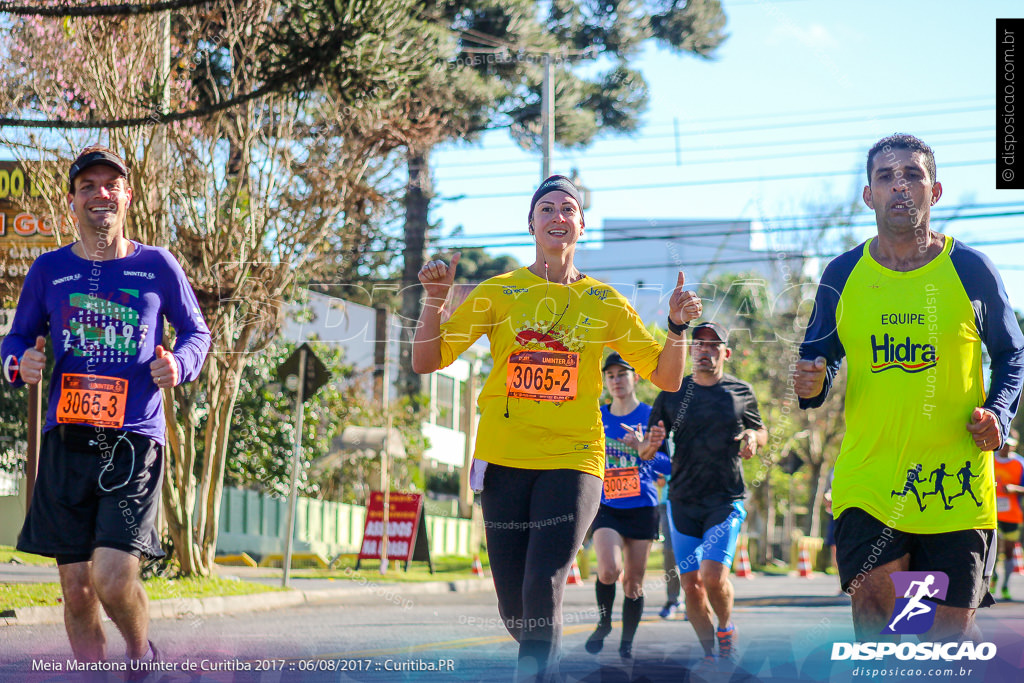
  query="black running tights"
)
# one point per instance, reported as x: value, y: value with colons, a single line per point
x: 535, y: 522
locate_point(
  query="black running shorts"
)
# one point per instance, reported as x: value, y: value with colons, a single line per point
x: 966, y: 557
x: 637, y: 523
x: 75, y: 510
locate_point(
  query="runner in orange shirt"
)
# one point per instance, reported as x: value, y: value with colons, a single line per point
x: 1009, y: 469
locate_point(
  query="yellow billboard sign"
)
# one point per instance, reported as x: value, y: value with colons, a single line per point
x: 25, y: 232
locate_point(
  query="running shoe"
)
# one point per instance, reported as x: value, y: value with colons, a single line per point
x: 705, y: 670
x: 726, y: 642
x: 144, y: 669
x: 1006, y: 594
x: 626, y: 650
x: 596, y: 640
x: 670, y: 609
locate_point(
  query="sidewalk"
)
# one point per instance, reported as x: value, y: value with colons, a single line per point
x: 762, y: 590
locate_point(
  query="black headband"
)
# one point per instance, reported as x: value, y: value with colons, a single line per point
x: 554, y: 184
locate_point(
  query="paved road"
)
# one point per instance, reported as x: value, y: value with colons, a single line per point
x: 787, y: 627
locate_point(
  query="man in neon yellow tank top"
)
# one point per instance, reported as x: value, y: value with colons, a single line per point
x: 910, y: 310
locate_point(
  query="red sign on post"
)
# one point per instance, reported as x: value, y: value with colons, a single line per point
x: 404, y: 513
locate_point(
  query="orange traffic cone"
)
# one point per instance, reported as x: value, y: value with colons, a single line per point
x: 574, y: 578
x: 742, y: 563
x: 477, y: 568
x: 1018, y: 559
x: 804, y: 564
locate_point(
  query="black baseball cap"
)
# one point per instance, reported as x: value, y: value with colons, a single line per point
x: 91, y: 158
x: 719, y: 330
x: 615, y: 359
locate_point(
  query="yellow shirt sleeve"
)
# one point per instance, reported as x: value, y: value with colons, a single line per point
x: 471, y: 320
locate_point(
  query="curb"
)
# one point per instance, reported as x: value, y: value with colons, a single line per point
x: 194, y: 608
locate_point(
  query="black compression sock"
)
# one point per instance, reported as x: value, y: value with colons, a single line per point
x: 632, y: 610
x: 605, y: 602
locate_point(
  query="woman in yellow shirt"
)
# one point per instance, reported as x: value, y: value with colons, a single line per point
x: 539, y: 456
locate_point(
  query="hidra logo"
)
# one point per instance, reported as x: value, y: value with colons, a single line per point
x: 906, y: 355
x: 914, y: 612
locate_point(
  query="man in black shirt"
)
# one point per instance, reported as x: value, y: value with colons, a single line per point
x: 713, y: 422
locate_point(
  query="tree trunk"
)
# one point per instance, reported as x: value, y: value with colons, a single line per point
x: 178, y: 491
x: 417, y: 207
x: 218, y: 431
x: 193, y: 529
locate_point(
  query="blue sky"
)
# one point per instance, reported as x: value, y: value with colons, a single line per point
x: 800, y: 90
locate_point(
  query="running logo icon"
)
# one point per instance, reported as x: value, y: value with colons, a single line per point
x: 914, y: 613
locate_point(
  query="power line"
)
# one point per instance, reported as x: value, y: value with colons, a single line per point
x: 780, y: 255
x: 760, y: 126
x: 719, y: 160
x: 712, y: 181
x: 710, y: 148
x: 828, y: 122
x: 844, y: 110
x: 775, y: 256
x: 938, y: 213
x: 856, y: 223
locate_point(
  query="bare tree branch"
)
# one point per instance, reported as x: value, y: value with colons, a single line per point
x: 76, y: 10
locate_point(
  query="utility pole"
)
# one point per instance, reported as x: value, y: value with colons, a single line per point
x: 547, y: 93
x: 547, y: 116
x: 296, y: 457
x: 381, y: 366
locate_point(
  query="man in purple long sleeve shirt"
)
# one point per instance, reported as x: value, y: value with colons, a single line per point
x: 103, y: 301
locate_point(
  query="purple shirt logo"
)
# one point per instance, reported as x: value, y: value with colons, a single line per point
x: 914, y: 613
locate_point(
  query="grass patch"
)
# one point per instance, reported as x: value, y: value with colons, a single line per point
x: 202, y: 587
x: 15, y: 595
x: 7, y: 553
